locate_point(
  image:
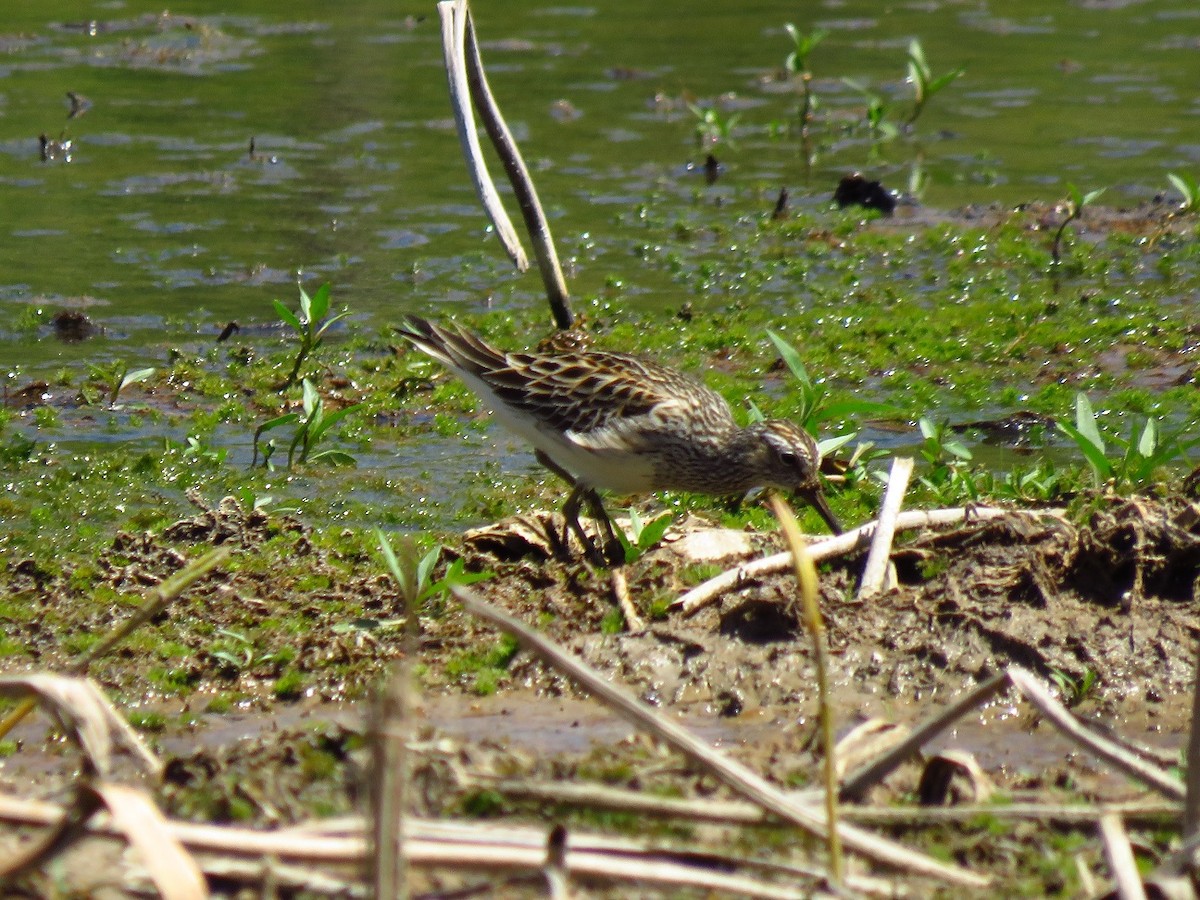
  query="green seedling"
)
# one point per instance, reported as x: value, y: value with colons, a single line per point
x: 880, y: 127
x: 642, y: 535
x: 310, y: 325
x: 312, y: 426
x: 949, y: 477
x: 237, y: 652
x: 413, y: 573
x: 116, y: 377
x: 1074, y: 206
x: 925, y: 85
x: 1075, y: 690
x: 1141, y: 456
x: 797, y: 66
x: 711, y: 128
x: 1189, y: 188
x: 814, y: 409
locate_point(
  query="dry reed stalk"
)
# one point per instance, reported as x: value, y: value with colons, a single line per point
x: 806, y: 580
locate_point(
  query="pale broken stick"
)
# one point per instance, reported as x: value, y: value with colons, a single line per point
x: 880, y: 555
x: 1121, y: 863
x: 702, y: 595
x: 749, y: 784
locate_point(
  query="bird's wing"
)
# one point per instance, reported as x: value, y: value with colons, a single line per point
x: 588, y: 395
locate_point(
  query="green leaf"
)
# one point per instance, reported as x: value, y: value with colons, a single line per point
x: 135, y: 377
x: 791, y: 358
x: 1091, y: 196
x: 389, y: 558
x: 833, y: 444
x: 425, y: 568
x: 635, y: 525
x: 846, y: 409
x: 312, y: 400
x: 653, y: 531
x: 305, y: 307
x: 287, y: 315
x: 319, y: 303
x: 916, y: 56
x: 957, y: 448
x: 328, y: 322
x: 1101, y: 467
x: 916, y: 79
x: 336, y: 457
x: 942, y: 80
x: 279, y: 422
x: 324, y: 422
x: 1149, y: 440
x: 1085, y: 422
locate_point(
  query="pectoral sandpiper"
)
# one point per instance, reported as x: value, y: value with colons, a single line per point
x: 619, y: 423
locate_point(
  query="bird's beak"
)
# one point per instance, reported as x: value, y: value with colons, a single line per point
x: 815, y: 498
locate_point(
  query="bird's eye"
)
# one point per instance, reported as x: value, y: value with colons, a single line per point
x: 788, y: 458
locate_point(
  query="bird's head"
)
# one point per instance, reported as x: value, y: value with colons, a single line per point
x: 787, y: 458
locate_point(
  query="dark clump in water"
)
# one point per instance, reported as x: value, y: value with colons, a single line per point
x: 72, y: 326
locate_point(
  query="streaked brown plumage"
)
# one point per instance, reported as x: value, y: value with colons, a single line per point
x: 616, y: 422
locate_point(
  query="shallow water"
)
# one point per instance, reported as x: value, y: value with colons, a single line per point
x: 163, y: 226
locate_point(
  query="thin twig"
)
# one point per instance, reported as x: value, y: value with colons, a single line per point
x: 828, y: 548
x: 737, y: 776
x: 879, y: 557
x: 740, y: 812
x: 620, y: 588
x: 389, y: 784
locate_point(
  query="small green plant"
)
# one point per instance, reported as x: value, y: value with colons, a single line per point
x: 813, y: 408
x: 925, y: 84
x: 878, y: 124
x: 237, y: 653
x: 949, y: 477
x: 413, y: 573
x: 196, y: 449
x: 1189, y: 188
x: 642, y: 535
x: 797, y: 66
x: 1142, y: 455
x: 310, y: 326
x: 711, y: 127
x: 1041, y: 484
x: 311, y: 428
x: 116, y: 376
x: 1073, y: 206
x: 1075, y: 690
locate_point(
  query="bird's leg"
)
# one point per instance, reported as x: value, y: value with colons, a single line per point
x: 572, y: 525
x: 570, y: 510
x: 614, y: 550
